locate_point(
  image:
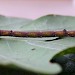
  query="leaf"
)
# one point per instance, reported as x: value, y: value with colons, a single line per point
x: 70, y: 50
x: 34, y: 54
x: 12, y: 23
x: 66, y: 59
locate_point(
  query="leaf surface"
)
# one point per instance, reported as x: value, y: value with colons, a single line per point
x: 34, y: 53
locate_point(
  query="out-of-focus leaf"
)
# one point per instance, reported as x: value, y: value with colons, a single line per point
x: 12, y: 23
x: 66, y: 59
x: 65, y: 52
x: 34, y: 54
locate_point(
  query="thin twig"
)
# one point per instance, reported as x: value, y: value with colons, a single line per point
x: 40, y: 34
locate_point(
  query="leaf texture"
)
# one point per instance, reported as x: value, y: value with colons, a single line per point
x: 34, y: 53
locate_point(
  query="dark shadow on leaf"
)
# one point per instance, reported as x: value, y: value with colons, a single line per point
x: 58, y: 38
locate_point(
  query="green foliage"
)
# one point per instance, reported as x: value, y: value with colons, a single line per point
x: 70, y: 50
x: 33, y: 54
x: 66, y: 59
